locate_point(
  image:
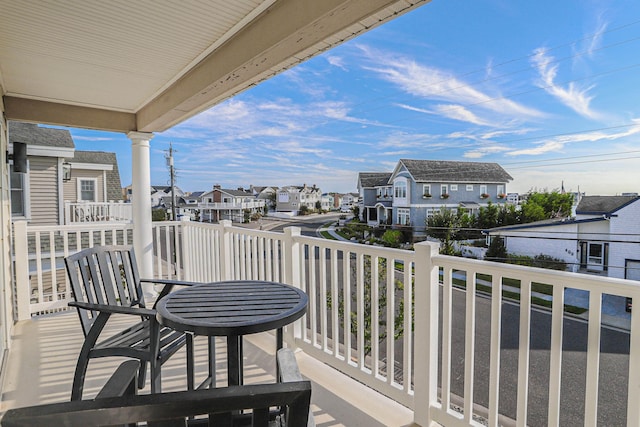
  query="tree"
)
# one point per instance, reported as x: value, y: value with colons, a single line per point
x: 546, y: 205
x: 447, y: 227
x: 398, y: 320
x: 497, y: 250
x: 318, y: 205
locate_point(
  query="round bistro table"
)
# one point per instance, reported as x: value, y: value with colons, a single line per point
x: 231, y: 309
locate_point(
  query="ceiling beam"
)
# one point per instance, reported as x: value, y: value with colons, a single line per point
x: 267, y: 46
x: 52, y: 113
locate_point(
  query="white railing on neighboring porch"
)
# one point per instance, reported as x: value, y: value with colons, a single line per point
x: 389, y: 318
x: 75, y: 212
x: 255, y: 204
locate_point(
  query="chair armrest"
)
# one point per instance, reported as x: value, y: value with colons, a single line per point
x: 171, y: 282
x: 114, y: 309
x: 168, y: 286
x: 122, y: 382
x: 289, y: 371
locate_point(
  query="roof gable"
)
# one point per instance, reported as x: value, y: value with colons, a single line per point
x: 373, y: 179
x: 114, y: 186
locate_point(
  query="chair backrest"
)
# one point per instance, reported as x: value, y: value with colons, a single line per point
x: 104, y: 275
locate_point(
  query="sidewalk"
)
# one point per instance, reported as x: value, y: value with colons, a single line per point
x: 613, y: 307
x: 331, y: 229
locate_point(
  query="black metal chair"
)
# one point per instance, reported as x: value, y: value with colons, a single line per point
x: 105, y: 281
x: 281, y: 404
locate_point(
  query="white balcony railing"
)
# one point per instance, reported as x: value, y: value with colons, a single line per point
x: 256, y: 204
x: 410, y: 324
x: 76, y: 212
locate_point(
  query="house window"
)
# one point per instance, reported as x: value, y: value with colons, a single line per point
x: 469, y: 187
x: 400, y: 190
x: 443, y: 189
x: 404, y: 217
x: 500, y: 189
x: 426, y: 190
x: 18, y: 195
x: 454, y: 187
x: 87, y: 190
x: 432, y: 212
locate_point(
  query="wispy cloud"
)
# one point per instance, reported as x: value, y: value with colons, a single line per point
x: 573, y: 96
x: 558, y: 143
x: 595, y: 41
x: 336, y: 61
x: 436, y: 84
x: 485, y: 151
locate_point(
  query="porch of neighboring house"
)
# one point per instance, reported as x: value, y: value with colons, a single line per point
x: 463, y: 352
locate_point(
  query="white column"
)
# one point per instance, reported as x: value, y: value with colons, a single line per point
x: 141, y: 206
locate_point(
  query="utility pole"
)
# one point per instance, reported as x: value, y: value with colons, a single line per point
x: 172, y: 173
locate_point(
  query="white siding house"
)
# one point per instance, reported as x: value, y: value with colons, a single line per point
x: 603, y: 238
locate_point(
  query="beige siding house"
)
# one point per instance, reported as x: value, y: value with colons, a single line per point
x: 38, y: 195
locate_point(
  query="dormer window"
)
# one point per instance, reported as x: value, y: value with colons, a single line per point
x: 400, y: 189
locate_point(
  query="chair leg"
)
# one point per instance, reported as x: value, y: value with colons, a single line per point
x: 78, y: 377
x: 190, y: 363
x: 155, y: 365
x: 142, y: 374
x: 156, y: 376
x: 83, y: 357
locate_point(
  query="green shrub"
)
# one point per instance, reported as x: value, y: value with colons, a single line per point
x: 158, y: 215
x: 392, y: 238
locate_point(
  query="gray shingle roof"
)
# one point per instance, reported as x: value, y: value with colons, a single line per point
x: 237, y: 193
x: 453, y: 171
x: 373, y: 179
x: 114, y: 187
x: 597, y: 205
x: 33, y: 134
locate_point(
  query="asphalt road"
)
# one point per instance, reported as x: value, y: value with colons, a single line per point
x: 309, y: 225
x: 614, y: 364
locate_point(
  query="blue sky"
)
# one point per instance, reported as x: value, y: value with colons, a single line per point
x: 548, y: 89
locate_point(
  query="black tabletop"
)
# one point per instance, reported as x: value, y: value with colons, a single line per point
x: 232, y: 308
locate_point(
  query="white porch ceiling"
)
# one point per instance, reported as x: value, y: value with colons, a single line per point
x: 146, y: 65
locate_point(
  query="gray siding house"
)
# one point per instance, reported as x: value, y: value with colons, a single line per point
x: 376, y: 197
x: 423, y: 187
x: 417, y: 189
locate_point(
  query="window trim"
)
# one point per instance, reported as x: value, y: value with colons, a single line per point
x: 483, y: 189
x: 79, y: 189
x: 26, y: 195
x: 406, y: 213
x: 400, y: 189
x: 454, y: 187
x: 469, y: 187
x: 426, y: 189
x: 444, y: 189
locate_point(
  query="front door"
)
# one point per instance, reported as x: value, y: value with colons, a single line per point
x: 595, y: 256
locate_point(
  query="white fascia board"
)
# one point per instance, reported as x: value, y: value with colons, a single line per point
x: 44, y: 151
x: 91, y: 166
